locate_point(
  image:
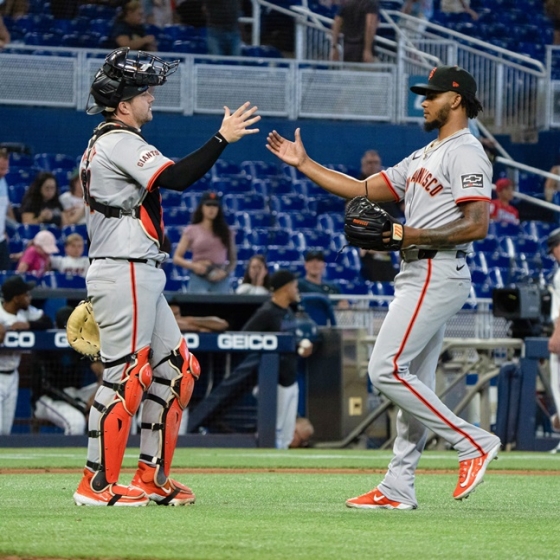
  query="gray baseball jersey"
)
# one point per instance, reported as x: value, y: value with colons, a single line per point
x: 434, y: 180
x: 123, y: 168
x: 428, y: 292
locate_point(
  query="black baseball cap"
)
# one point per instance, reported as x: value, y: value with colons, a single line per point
x: 211, y: 198
x: 448, y: 78
x: 318, y: 255
x: 15, y: 286
x: 280, y: 278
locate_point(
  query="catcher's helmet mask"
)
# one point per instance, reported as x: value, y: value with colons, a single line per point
x: 124, y: 76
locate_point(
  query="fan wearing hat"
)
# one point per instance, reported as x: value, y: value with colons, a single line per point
x: 446, y: 188
x: 37, y: 257
x: 16, y: 314
x: 500, y: 209
x: 275, y: 315
x: 313, y: 283
x: 211, y: 243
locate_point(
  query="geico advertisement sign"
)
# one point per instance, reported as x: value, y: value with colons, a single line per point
x: 238, y: 341
x: 26, y: 339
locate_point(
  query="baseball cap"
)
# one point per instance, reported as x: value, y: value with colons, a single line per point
x: 46, y: 241
x: 15, y: 286
x: 448, y: 78
x: 280, y: 278
x: 210, y: 198
x: 318, y: 255
x: 502, y: 184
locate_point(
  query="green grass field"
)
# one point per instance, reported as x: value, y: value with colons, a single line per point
x: 282, y: 504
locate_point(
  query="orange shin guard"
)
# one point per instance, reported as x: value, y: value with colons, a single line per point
x: 114, y: 424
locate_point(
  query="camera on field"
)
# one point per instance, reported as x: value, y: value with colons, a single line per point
x: 526, y: 306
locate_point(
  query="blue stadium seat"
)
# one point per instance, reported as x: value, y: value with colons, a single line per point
x: 245, y: 253
x: 247, y: 202
x: 223, y: 168
x: 28, y: 231
x: 49, y: 162
x: 317, y: 238
x: 260, y: 219
x: 171, y: 198
x: 288, y: 203
x: 71, y: 281
x: 174, y: 233
x: 233, y: 185
x: 175, y: 285
x: 279, y: 237
x: 275, y: 254
x: 176, y: 216
x: 16, y: 192
x: 192, y: 46
x: 21, y: 160
x: 335, y: 271
x: 258, y: 237
x: 303, y: 220
x: 329, y: 203
x: 488, y: 245
x: 325, y: 223
x: 261, y: 169
x: 180, y: 32
x: 74, y: 228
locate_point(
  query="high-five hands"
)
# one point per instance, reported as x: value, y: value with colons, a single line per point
x: 292, y: 153
x: 236, y: 125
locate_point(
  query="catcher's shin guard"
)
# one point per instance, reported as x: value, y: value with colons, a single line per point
x: 114, y: 423
x: 188, y: 371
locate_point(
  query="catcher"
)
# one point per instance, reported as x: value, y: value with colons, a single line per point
x: 141, y: 346
x: 446, y: 187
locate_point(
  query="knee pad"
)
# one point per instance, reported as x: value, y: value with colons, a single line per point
x: 187, y: 368
x: 114, y: 423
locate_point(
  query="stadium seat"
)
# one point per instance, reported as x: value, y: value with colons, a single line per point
x: 174, y: 233
x: 228, y: 169
x: 260, y: 169
x: 71, y: 281
x: 288, y: 203
x: 49, y: 162
x: 247, y: 202
x: 176, y: 216
x: 275, y: 254
x: 171, y: 198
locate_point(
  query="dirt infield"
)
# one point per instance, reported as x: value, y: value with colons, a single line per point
x: 214, y: 470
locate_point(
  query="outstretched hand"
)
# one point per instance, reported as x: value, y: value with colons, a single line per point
x: 292, y: 153
x: 236, y: 125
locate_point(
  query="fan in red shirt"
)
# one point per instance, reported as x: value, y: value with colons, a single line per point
x: 500, y: 209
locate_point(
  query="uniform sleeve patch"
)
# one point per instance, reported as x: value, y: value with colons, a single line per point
x: 472, y: 181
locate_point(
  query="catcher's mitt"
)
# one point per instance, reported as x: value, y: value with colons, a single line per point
x: 365, y: 222
x: 82, y: 331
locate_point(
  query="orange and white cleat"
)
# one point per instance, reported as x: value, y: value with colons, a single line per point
x: 111, y: 495
x: 471, y: 473
x: 172, y: 493
x: 375, y: 500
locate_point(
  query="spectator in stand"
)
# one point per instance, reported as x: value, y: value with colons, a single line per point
x: 129, y: 31
x: 357, y: 20
x: 40, y: 204
x: 73, y: 262
x: 36, y: 259
x: 500, y: 209
x: 421, y: 9
x: 6, y: 210
x: 313, y: 281
x: 16, y: 314
x: 256, y: 280
x: 158, y: 12
x: 4, y: 34
x: 552, y: 10
x: 212, y: 244
x: 72, y: 201
x: 223, y: 35
x: 59, y: 394
x: 458, y: 7
x: 551, y: 186
x: 377, y: 266
x: 14, y: 8
x: 191, y: 12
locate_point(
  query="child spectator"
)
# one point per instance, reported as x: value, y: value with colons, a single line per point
x: 73, y: 201
x: 73, y: 262
x: 36, y: 259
